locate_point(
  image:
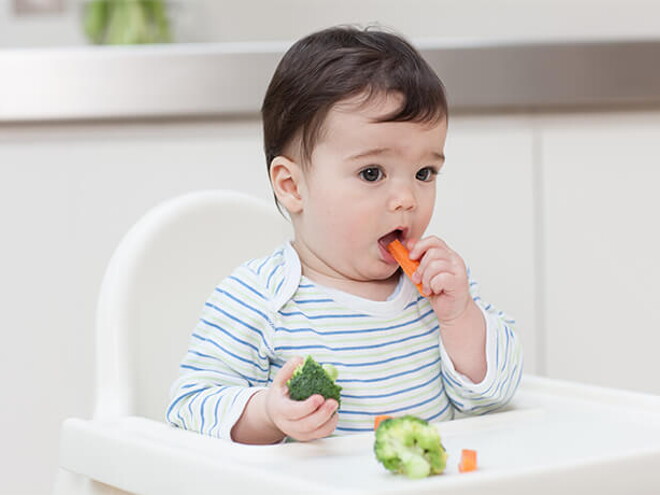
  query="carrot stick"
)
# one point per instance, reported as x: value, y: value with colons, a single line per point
x: 400, y: 254
x: 468, y: 461
x: 379, y: 419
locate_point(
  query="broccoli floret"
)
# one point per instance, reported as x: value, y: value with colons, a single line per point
x: 311, y: 378
x: 410, y: 446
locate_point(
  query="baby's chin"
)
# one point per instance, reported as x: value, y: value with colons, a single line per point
x: 386, y: 272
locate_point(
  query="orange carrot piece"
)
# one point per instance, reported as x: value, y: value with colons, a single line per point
x: 400, y: 254
x: 468, y: 461
x: 379, y: 419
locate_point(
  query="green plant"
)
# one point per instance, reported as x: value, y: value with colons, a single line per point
x: 126, y: 22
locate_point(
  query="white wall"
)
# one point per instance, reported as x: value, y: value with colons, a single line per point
x: 212, y: 20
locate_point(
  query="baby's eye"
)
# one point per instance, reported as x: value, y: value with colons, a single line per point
x: 426, y: 174
x: 371, y: 174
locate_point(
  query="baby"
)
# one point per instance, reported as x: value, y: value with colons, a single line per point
x: 355, y: 123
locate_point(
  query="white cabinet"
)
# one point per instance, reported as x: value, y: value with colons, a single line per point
x: 601, y: 174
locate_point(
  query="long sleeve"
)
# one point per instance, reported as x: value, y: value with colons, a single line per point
x: 228, y: 359
x: 504, y: 359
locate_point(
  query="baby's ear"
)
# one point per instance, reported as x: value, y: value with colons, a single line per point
x: 285, y: 177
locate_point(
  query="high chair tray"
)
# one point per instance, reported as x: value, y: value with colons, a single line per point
x: 555, y: 437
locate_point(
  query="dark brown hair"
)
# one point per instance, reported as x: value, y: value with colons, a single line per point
x: 332, y: 65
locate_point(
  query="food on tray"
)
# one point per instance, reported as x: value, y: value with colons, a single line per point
x: 400, y: 254
x: 379, y: 419
x: 468, y: 461
x: 411, y: 446
x: 311, y: 378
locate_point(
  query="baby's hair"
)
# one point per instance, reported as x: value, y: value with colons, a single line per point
x: 338, y: 63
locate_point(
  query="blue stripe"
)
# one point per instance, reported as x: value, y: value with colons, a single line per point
x: 321, y: 317
x: 220, y: 389
x: 279, y: 286
x: 190, y: 403
x: 242, y: 303
x: 398, y: 392
x: 389, y: 377
x: 375, y: 363
x: 357, y: 331
x: 506, y: 347
x: 355, y: 348
x: 233, y: 401
x: 251, y: 289
x: 394, y: 411
x: 354, y: 429
x: 201, y: 354
x: 249, y: 380
x: 358, y: 430
x: 238, y: 320
x: 497, y: 353
x: 226, y: 351
x: 413, y: 303
x: 181, y: 397
x: 236, y: 339
x: 263, y: 264
x: 216, y: 423
x: 310, y: 301
x: 436, y: 416
x: 270, y: 277
x: 452, y: 381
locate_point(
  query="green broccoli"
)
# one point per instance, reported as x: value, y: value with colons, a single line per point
x: 411, y: 446
x: 311, y: 378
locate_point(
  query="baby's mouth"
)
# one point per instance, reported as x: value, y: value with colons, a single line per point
x: 392, y: 236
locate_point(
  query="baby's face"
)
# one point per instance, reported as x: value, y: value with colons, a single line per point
x: 368, y: 183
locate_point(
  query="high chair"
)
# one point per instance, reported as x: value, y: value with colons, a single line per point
x: 555, y: 437
x: 151, y: 296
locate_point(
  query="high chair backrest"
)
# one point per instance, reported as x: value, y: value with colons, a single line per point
x: 156, y: 284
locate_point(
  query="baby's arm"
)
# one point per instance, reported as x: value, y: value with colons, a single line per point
x: 223, y: 389
x: 270, y: 415
x: 482, y: 356
x: 444, y: 279
x: 227, y: 362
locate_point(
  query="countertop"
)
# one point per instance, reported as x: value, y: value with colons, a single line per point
x: 226, y: 79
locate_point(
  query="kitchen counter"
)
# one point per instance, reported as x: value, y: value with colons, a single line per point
x: 225, y: 79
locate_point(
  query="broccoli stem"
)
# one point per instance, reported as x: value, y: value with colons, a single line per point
x: 414, y: 464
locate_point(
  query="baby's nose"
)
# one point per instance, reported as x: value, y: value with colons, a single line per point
x: 403, y: 199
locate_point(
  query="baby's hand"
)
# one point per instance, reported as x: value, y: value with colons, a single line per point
x: 443, y: 276
x: 304, y: 420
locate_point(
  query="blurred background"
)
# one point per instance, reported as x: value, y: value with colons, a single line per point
x: 549, y: 192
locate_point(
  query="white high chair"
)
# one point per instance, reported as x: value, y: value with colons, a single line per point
x: 554, y: 437
x: 152, y: 294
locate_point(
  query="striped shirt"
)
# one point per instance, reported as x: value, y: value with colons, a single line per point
x: 388, y: 354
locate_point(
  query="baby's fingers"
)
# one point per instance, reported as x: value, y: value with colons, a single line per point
x: 320, y: 423
x: 430, y: 267
x: 417, y: 248
x: 283, y: 375
x: 299, y: 410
